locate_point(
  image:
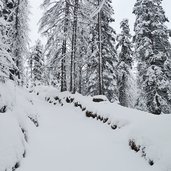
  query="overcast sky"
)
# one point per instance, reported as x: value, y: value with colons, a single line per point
x: 123, y: 9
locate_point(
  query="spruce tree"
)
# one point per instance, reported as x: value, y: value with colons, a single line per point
x: 152, y: 52
x: 16, y: 14
x: 125, y: 64
x: 36, y: 62
x: 81, y: 22
x: 6, y: 62
x: 20, y: 34
x: 74, y: 47
x: 103, y: 57
x: 55, y: 24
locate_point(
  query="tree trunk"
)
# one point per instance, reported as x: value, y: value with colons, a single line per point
x: 31, y: 67
x: 74, y: 49
x: 63, y: 62
x: 80, y: 80
x: 100, y: 89
x: 122, y: 92
x: 16, y: 52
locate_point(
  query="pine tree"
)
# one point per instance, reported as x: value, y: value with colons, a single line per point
x: 16, y: 14
x: 20, y: 35
x: 89, y: 45
x: 152, y: 51
x: 74, y: 47
x: 81, y: 60
x: 54, y: 25
x: 81, y: 21
x: 103, y: 57
x: 125, y: 63
x: 36, y: 62
x: 6, y: 62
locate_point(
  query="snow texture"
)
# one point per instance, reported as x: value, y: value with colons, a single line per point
x: 70, y: 138
x: 129, y: 140
x: 14, y: 120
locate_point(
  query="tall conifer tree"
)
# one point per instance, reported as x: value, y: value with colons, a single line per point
x: 125, y: 63
x: 152, y: 51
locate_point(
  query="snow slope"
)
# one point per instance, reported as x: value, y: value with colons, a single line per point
x: 12, y: 144
x: 68, y: 140
x: 14, y: 121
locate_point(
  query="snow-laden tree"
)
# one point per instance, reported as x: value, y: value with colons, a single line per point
x: 65, y: 23
x: 81, y: 58
x: 6, y: 62
x: 36, y: 63
x: 56, y: 25
x: 80, y: 47
x: 81, y: 21
x: 16, y: 14
x: 20, y: 34
x: 103, y: 58
x: 152, y: 49
x: 74, y: 46
x: 125, y: 64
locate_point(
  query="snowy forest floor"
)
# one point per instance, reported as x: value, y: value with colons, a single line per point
x: 66, y: 141
x: 70, y: 139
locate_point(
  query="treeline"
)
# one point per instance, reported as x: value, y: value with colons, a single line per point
x: 84, y: 54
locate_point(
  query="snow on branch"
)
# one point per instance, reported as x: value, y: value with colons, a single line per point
x: 98, y: 9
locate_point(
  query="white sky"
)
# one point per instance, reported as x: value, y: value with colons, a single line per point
x: 123, y: 9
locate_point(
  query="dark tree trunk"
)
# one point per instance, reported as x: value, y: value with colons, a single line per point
x: 100, y: 89
x: 16, y: 52
x: 80, y: 80
x: 74, y: 49
x: 122, y: 92
x: 64, y: 49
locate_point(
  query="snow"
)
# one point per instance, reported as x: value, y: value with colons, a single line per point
x: 12, y: 145
x: 96, y: 11
x: 68, y: 140
x: 13, y: 124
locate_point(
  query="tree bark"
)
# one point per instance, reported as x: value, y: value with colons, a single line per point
x: 16, y: 50
x: 80, y: 80
x: 74, y: 49
x: 64, y: 49
x: 100, y: 89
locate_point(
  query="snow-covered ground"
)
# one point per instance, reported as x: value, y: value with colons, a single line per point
x: 69, y: 139
x: 66, y: 140
x: 16, y: 112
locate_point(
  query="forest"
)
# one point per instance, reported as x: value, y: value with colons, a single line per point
x: 84, y: 54
x: 122, y: 79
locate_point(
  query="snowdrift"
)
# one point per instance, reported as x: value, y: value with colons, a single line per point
x: 16, y: 112
x: 147, y: 135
